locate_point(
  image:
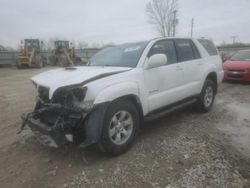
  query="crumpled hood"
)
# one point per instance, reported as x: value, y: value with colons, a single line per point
x: 61, y: 77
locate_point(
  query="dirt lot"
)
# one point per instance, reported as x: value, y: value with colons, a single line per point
x: 183, y: 149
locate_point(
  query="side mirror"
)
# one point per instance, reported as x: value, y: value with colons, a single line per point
x: 156, y: 60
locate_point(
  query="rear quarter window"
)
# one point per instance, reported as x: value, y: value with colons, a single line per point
x: 209, y: 46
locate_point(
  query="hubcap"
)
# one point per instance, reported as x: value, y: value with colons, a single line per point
x: 121, y: 127
x: 208, y: 98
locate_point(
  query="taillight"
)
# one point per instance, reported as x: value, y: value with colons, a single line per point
x: 248, y: 69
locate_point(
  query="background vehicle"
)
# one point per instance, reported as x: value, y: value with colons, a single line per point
x: 30, y: 55
x: 63, y: 55
x: 104, y: 103
x: 238, y: 66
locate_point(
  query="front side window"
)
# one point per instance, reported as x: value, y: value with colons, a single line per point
x: 127, y: 55
x: 186, y: 50
x: 165, y: 47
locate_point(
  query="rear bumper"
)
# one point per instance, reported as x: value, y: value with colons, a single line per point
x: 234, y: 75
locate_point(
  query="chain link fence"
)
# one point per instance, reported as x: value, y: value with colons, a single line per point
x: 10, y: 57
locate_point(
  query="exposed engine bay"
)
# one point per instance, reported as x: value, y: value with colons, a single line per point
x: 62, y: 117
x: 65, y: 109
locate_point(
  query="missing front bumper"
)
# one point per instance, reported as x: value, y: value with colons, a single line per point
x: 83, y: 131
x: 44, y: 133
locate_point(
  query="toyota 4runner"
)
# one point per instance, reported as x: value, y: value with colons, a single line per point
x: 105, y: 102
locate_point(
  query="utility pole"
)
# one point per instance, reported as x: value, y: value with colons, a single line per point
x: 174, y: 24
x: 234, y: 39
x: 192, y: 27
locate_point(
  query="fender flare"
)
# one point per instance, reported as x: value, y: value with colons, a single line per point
x: 94, y: 122
x: 205, y: 74
x: 93, y: 125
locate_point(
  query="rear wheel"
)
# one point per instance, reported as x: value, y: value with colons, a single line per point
x: 38, y: 61
x: 207, y: 96
x: 120, y: 128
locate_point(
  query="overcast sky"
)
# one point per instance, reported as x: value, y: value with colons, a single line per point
x: 117, y: 21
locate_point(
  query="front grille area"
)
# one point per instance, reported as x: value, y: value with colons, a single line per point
x: 238, y: 76
x: 43, y: 93
x: 236, y: 70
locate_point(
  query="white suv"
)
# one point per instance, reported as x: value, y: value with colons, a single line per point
x: 105, y: 102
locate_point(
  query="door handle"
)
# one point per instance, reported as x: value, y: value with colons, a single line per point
x: 178, y: 68
x: 200, y: 63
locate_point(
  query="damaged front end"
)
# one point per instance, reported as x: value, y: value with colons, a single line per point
x: 61, y: 119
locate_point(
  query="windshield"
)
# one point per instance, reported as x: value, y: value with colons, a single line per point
x: 62, y: 44
x: 32, y: 44
x: 126, y: 55
x: 241, y: 56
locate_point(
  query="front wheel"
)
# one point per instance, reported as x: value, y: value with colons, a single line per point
x: 120, y: 128
x: 207, y: 96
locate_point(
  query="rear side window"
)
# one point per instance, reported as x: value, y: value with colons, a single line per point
x: 164, y: 47
x: 186, y: 50
x: 209, y: 46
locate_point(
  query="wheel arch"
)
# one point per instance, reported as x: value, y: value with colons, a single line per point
x: 94, y: 124
x: 213, y: 76
x: 134, y: 99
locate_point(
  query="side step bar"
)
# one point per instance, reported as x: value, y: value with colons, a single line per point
x: 169, y: 109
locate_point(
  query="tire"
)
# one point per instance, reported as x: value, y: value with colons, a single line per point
x: 38, y: 62
x: 117, y: 138
x: 19, y: 66
x: 207, y: 96
x: 63, y: 62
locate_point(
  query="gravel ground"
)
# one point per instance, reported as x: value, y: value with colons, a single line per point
x: 183, y: 149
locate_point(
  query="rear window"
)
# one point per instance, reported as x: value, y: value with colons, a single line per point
x: 209, y: 46
x: 186, y: 50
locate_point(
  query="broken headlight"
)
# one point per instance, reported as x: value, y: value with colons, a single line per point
x: 79, y: 93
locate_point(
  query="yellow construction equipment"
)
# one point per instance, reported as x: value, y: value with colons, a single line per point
x: 30, y: 54
x: 64, y: 55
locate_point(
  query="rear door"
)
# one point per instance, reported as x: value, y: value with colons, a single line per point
x: 191, y: 62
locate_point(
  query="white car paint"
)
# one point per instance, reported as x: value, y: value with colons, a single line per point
x: 154, y: 87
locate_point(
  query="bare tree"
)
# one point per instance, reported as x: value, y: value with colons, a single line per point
x: 163, y: 15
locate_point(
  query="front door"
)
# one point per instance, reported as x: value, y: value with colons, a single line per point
x: 163, y: 83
